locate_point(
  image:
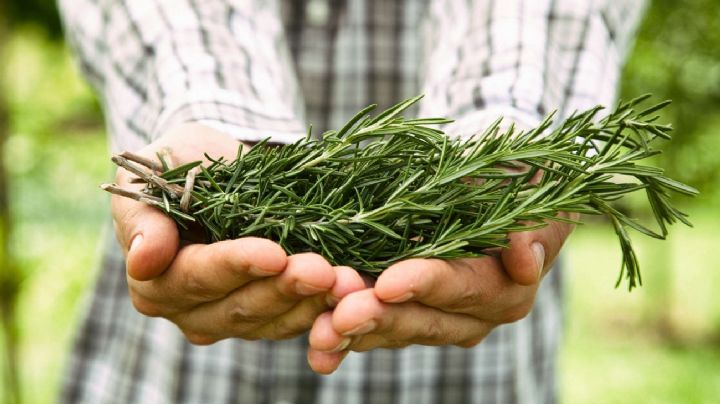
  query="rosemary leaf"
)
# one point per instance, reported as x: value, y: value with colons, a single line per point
x: 387, y: 188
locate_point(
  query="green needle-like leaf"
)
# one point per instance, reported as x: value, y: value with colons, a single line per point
x: 384, y: 189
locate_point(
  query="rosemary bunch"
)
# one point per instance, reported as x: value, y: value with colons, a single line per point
x: 385, y: 188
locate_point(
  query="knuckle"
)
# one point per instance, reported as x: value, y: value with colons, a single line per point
x: 201, y: 339
x: 283, y: 329
x: 470, y: 343
x: 315, y: 259
x: 291, y: 325
x: 365, y: 343
x: 125, y: 215
x: 196, y: 286
x: 232, y: 255
x: 468, y: 296
x: 251, y: 336
x: 434, y: 330
x: 516, y: 313
x: 241, y: 313
x: 145, y: 306
x: 396, y: 344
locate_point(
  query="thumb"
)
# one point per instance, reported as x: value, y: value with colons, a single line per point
x: 531, y: 252
x: 149, y: 239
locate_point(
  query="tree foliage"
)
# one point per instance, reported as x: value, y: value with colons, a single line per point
x: 677, y: 56
x: 42, y: 13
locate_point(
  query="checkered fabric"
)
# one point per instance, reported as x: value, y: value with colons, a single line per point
x: 258, y: 69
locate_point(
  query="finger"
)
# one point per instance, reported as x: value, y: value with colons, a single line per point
x: 299, y: 318
x: 325, y: 363
x: 153, y: 236
x: 327, y: 346
x: 479, y: 287
x: 323, y: 336
x: 532, y: 252
x: 372, y: 324
x: 260, y: 302
x: 147, y: 236
x: 295, y: 321
x: 347, y: 280
x: 207, y: 272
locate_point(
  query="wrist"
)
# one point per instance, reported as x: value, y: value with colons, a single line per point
x: 190, y: 141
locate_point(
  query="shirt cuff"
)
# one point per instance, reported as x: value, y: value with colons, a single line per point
x: 229, y: 113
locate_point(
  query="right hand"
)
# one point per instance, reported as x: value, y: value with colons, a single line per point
x: 245, y: 288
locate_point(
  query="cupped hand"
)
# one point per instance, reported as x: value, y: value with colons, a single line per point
x: 244, y: 288
x: 437, y: 302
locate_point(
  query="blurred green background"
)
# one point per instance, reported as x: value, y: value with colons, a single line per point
x: 658, y: 344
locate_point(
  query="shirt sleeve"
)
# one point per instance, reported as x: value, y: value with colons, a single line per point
x: 522, y: 59
x: 159, y: 63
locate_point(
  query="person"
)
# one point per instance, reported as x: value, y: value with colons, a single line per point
x: 239, y: 320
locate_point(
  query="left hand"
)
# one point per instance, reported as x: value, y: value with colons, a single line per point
x: 438, y: 302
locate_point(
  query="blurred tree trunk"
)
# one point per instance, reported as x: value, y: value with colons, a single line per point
x: 9, y: 280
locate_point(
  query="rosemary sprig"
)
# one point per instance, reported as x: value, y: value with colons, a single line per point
x: 384, y: 189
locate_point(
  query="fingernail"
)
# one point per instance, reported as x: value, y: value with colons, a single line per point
x: 363, y: 328
x: 342, y: 345
x: 402, y: 298
x: 255, y: 271
x: 136, y: 241
x: 308, y: 290
x: 539, y: 252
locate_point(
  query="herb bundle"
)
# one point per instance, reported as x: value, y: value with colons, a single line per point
x: 383, y: 189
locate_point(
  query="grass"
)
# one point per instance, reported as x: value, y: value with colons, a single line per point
x: 656, y: 344
x: 56, y: 241
x: 56, y: 156
x: 602, y: 369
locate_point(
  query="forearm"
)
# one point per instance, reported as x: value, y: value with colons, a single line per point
x: 523, y: 60
x: 160, y: 63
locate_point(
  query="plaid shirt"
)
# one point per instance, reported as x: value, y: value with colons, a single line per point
x: 257, y: 69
